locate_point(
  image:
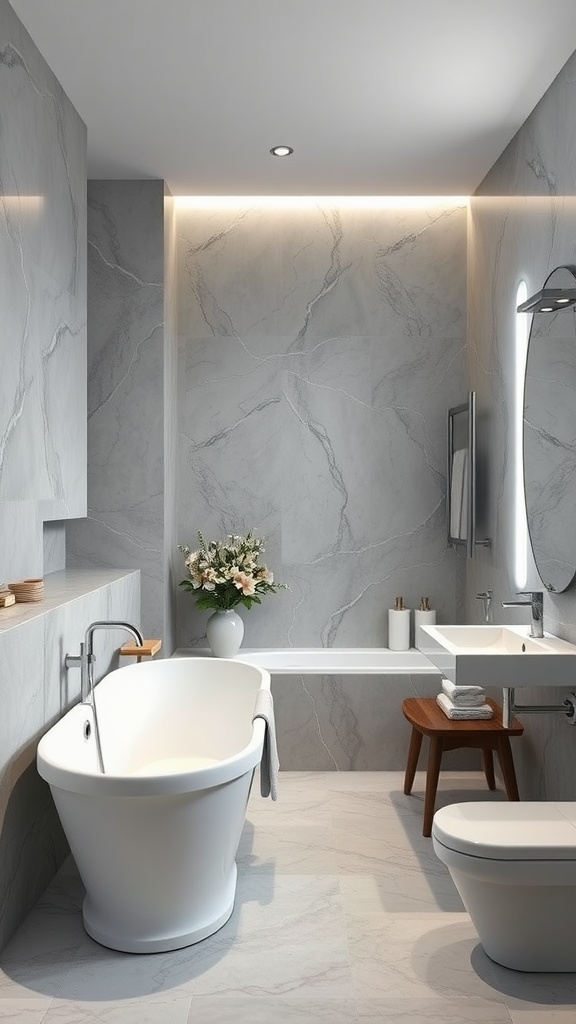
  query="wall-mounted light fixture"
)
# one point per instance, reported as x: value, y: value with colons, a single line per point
x: 549, y: 300
x: 281, y: 150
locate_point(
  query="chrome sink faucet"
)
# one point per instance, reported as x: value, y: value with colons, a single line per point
x: 85, y: 660
x: 536, y: 605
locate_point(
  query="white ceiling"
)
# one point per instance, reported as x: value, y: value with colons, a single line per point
x: 377, y: 97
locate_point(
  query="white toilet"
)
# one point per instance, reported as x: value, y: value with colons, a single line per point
x: 514, y: 865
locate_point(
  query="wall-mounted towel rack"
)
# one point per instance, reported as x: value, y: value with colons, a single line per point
x: 461, y: 501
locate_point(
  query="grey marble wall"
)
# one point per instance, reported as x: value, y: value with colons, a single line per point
x: 319, y: 351
x: 125, y: 526
x: 522, y: 225
x: 43, y: 302
x: 353, y: 723
x: 42, y: 449
x: 35, y: 689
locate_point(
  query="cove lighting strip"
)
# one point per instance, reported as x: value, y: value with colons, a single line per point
x: 304, y: 202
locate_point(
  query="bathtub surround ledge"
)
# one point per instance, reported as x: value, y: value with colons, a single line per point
x: 341, y: 709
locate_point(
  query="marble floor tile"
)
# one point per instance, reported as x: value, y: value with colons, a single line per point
x: 404, y: 889
x: 343, y: 914
x: 544, y: 1015
x: 431, y: 1011
x: 288, y: 941
x: 23, y: 1011
x: 99, y: 974
x: 298, y: 849
x: 170, y: 1009
x: 273, y: 1009
x: 423, y: 956
x: 300, y: 808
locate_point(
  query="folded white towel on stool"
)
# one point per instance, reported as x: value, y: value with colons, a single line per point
x: 463, y: 700
x: 452, y: 690
x: 269, y: 765
x: 451, y: 711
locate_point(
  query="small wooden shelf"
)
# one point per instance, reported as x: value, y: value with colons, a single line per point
x: 149, y: 648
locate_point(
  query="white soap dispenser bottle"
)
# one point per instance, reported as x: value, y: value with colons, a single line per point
x: 423, y: 616
x: 399, y: 626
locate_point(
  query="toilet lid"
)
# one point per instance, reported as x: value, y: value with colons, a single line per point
x: 509, y: 831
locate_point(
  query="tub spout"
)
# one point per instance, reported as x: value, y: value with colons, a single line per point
x: 85, y: 660
x: 87, y: 676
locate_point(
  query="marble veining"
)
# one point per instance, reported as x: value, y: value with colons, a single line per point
x: 127, y: 460
x: 318, y: 352
x: 42, y: 251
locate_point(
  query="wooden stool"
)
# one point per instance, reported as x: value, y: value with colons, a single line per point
x: 428, y: 719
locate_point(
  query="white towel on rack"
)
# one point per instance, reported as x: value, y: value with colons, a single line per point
x: 463, y: 696
x: 459, y: 460
x: 451, y: 711
x: 464, y: 505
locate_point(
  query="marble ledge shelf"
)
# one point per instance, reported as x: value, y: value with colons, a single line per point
x: 327, y: 660
x: 60, y: 588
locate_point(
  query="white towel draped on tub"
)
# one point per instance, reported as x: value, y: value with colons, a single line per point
x: 451, y: 711
x: 269, y: 765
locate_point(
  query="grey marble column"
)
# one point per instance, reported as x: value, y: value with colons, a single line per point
x: 127, y: 342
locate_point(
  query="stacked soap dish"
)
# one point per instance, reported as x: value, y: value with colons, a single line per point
x: 27, y: 590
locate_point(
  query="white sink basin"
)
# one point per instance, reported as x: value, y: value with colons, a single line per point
x: 498, y: 656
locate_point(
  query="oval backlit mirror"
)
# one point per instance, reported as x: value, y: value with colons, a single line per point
x: 549, y: 435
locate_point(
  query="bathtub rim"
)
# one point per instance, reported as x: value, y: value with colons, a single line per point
x: 58, y: 773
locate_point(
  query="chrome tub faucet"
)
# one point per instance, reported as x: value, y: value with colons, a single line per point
x: 85, y: 660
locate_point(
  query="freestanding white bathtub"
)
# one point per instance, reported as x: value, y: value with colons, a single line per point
x: 155, y: 837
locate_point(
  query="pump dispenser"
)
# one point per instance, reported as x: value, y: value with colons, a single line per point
x: 399, y: 626
x: 423, y: 616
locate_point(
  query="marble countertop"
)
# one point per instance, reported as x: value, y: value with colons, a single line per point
x: 59, y: 589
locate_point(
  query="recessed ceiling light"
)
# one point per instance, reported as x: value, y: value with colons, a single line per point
x: 281, y: 150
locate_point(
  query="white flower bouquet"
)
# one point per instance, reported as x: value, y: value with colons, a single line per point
x: 225, y: 573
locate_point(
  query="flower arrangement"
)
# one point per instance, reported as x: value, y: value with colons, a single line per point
x: 226, y: 573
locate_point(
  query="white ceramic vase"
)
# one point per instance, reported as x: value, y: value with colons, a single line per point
x: 224, y: 632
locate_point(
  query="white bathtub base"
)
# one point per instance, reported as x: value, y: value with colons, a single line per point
x: 155, y: 837
x: 112, y: 934
x: 159, y: 872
